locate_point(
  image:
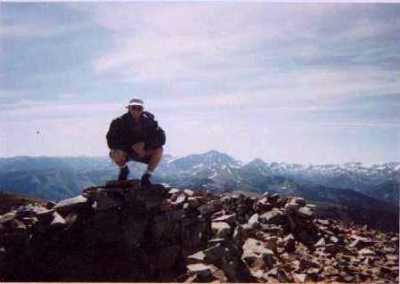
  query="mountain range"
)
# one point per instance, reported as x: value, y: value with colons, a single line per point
x: 350, y: 189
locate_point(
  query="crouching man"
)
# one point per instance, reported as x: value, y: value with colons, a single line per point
x: 136, y: 136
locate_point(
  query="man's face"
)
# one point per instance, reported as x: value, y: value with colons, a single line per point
x: 135, y: 111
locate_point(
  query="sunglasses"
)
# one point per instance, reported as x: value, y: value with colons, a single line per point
x: 138, y: 108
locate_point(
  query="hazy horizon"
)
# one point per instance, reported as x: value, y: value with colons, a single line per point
x: 177, y: 157
x: 292, y: 82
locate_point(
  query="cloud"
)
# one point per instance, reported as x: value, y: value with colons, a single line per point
x: 26, y: 31
x: 246, y: 46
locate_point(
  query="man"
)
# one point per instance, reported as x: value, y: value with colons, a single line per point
x: 136, y: 136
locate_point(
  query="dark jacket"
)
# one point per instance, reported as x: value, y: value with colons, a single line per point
x: 123, y: 132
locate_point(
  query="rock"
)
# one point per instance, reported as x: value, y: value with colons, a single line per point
x: 332, y: 249
x: 57, y: 221
x: 320, y: 243
x: 211, y: 207
x: 253, y: 251
x: 262, y: 205
x: 253, y: 221
x: 236, y: 271
x: 104, y: 201
x: 46, y: 216
x: 122, y: 184
x: 188, y: 192
x: 194, y: 233
x: 305, y: 212
x: 366, y: 251
x: 194, y: 201
x: 273, y: 198
x: 290, y: 243
x: 214, y: 254
x: 167, y: 257
x: 300, y: 277
x: 202, y: 271
x: 70, y: 204
x: 180, y: 199
x: 6, y: 218
x: 221, y: 229
x: 239, y: 235
x: 230, y: 219
x: 166, y: 228
x: 299, y: 200
x: 174, y: 191
x: 196, y: 257
x: 152, y: 197
x: 323, y: 222
x: 71, y: 219
x: 360, y: 243
x: 333, y: 239
x: 275, y: 217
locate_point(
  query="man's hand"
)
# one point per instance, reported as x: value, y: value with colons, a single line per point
x: 139, y: 149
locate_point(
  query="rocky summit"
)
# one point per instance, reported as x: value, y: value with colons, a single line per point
x: 122, y: 232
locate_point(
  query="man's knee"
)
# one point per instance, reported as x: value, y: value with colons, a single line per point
x: 119, y: 157
x: 156, y: 151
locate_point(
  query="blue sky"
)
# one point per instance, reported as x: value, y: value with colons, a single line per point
x: 306, y: 83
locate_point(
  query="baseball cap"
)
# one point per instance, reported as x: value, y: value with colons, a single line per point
x: 135, y: 102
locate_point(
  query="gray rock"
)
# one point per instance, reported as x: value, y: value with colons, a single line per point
x: 103, y: 201
x: 214, y: 254
x: 71, y: 203
x: 254, y: 221
x: 203, y: 272
x: 275, y: 216
x: 254, y: 250
x: 323, y: 222
x: 57, y: 221
x: 166, y: 228
x: 194, y: 201
x: 305, y: 212
x: 211, y: 207
x: 290, y: 243
x: 4, y: 219
x: 221, y: 229
x: 320, y: 243
x: 152, y: 197
x: 174, y: 191
x: 188, y: 192
x: 196, y: 257
x: 180, y: 199
x: 230, y: 219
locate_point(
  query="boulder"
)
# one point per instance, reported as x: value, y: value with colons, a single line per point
x: 221, y: 229
x: 275, y: 216
x: 71, y: 204
x: 256, y: 254
x: 211, y: 207
x: 203, y: 272
x: 305, y: 212
x: 228, y: 218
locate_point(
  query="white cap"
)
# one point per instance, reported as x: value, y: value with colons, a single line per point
x: 135, y: 102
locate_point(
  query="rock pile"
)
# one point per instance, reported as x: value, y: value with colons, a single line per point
x: 121, y: 232
x: 279, y: 239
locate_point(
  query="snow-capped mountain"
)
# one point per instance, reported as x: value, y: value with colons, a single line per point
x: 221, y: 172
x: 212, y: 169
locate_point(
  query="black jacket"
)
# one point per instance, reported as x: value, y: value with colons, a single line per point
x: 123, y: 132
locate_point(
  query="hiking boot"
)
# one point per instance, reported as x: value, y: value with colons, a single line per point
x: 145, y: 181
x: 123, y: 173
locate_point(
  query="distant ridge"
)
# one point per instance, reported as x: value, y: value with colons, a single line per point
x: 346, y: 186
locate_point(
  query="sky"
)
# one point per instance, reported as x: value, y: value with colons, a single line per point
x: 302, y: 83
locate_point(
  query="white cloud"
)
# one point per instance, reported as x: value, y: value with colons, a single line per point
x: 242, y: 46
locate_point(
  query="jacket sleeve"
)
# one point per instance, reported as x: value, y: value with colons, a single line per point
x: 155, y: 135
x: 115, y: 136
x: 156, y: 138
